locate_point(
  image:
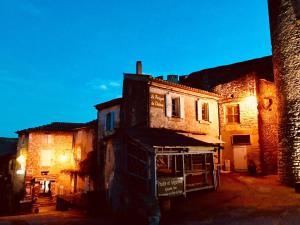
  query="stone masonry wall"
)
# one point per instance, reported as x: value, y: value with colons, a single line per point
x: 61, y: 144
x: 268, y: 125
x: 189, y: 123
x: 236, y: 92
x: 285, y: 35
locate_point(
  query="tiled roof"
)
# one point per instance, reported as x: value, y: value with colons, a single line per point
x: 108, y: 104
x: 147, y: 78
x: 8, y: 146
x: 185, y: 87
x: 162, y: 137
x: 55, y: 126
x: 209, y: 78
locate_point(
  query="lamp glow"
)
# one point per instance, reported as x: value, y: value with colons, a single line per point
x: 21, y: 159
x: 251, y: 101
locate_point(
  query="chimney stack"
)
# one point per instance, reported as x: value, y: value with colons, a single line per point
x: 138, y: 67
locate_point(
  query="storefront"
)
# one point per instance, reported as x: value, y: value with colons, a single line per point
x: 167, y: 164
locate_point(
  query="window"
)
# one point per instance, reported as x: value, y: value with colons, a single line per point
x: 48, y: 139
x: 175, y: 107
x: 202, y: 111
x: 233, y: 113
x: 241, y: 139
x: 45, y: 159
x: 205, y: 112
x: 78, y: 153
x: 110, y: 121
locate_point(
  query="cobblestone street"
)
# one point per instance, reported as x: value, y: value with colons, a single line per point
x: 240, y: 200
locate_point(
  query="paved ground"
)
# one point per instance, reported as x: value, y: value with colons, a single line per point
x: 241, y: 200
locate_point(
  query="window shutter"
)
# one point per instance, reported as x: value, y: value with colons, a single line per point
x: 211, y: 111
x: 199, y: 110
x: 112, y: 121
x: 103, y: 121
x: 168, y: 105
x: 181, y: 105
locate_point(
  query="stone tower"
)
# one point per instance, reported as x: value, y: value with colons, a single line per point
x: 285, y: 35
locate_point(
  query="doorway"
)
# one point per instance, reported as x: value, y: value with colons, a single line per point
x: 45, y: 188
x: 240, y: 158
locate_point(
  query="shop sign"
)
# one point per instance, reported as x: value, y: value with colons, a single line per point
x: 170, y: 186
x: 157, y: 100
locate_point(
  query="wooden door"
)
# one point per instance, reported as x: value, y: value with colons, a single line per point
x: 240, y: 158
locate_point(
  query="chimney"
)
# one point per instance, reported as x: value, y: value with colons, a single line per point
x: 138, y: 67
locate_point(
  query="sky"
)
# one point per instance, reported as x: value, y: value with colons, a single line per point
x: 60, y: 58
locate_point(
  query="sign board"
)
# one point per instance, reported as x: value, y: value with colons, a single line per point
x: 157, y: 100
x: 170, y: 186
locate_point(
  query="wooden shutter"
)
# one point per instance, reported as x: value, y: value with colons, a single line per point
x: 199, y: 110
x: 212, y: 109
x: 181, y: 105
x: 112, y: 121
x: 168, y: 105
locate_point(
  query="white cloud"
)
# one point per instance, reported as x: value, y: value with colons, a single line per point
x: 28, y: 7
x: 114, y: 84
x: 98, y: 84
x: 103, y: 87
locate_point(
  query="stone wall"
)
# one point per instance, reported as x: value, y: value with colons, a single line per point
x: 61, y: 146
x: 240, y: 91
x: 84, y: 144
x: 285, y: 35
x: 268, y: 125
x: 189, y: 122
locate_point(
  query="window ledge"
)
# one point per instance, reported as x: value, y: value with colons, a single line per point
x: 204, y: 122
x: 109, y: 132
x: 173, y: 118
x: 233, y: 123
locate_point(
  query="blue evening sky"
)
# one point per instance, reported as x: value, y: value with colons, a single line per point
x: 60, y: 58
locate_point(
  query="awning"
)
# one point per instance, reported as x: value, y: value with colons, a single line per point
x: 158, y: 137
x: 205, y: 138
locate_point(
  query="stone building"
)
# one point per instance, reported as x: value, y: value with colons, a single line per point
x: 8, y: 149
x: 247, y: 112
x: 49, y: 158
x: 285, y: 36
x: 109, y: 150
x: 160, y: 140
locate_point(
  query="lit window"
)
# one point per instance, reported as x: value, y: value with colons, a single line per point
x: 48, y: 139
x: 233, y: 113
x: 175, y: 107
x: 110, y: 121
x: 46, y: 156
